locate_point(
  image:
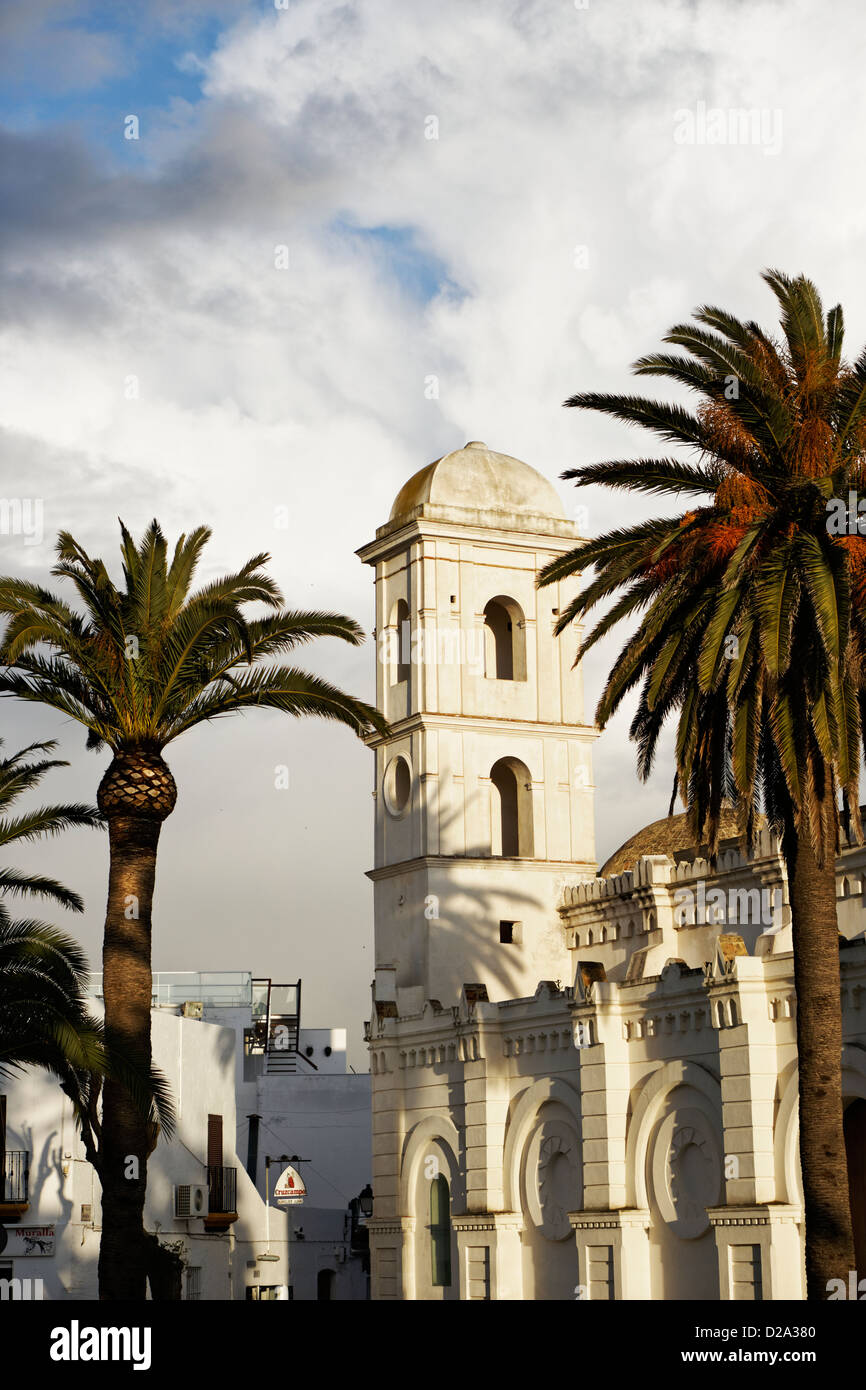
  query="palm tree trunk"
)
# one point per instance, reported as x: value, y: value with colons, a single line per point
x: 827, y: 1214
x: 127, y: 988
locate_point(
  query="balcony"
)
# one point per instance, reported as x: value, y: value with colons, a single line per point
x: 15, y: 1190
x: 222, y: 1207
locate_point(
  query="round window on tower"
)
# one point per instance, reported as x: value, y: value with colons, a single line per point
x: 397, y: 786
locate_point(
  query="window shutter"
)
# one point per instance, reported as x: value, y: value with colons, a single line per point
x: 214, y: 1141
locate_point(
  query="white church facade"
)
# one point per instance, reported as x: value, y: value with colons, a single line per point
x: 584, y: 1084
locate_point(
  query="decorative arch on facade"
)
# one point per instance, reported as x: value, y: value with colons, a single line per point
x: 433, y: 1129
x: 512, y: 831
x: 521, y: 1123
x: 786, y: 1134
x: 434, y: 1137
x: 647, y: 1107
x: 504, y: 640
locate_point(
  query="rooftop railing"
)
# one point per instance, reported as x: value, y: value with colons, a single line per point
x: 228, y: 989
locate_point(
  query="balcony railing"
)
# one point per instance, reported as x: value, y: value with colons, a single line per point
x: 222, y: 1190
x: 16, y: 1177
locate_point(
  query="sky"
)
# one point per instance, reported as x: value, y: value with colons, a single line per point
x: 238, y: 240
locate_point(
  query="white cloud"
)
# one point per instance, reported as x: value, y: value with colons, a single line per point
x: 260, y: 386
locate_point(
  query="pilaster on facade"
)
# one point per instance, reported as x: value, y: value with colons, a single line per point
x: 613, y: 1253
x: 749, y: 1071
x: 489, y: 1255
x: 391, y: 1257
x: 760, y: 1252
x: 486, y: 1093
x: 604, y: 1076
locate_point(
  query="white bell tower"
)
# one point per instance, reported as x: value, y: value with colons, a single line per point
x: 483, y: 791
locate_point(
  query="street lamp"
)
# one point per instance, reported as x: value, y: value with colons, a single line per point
x: 365, y: 1200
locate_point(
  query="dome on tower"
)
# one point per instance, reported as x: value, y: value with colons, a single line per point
x: 477, y: 479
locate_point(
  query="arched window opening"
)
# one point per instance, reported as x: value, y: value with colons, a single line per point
x: 504, y: 640
x: 440, y: 1231
x: 400, y: 641
x: 511, y: 818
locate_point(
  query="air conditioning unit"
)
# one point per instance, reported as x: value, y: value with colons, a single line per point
x: 192, y: 1008
x: 190, y: 1200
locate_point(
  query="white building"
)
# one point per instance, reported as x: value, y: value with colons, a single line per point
x: 207, y: 1210
x: 582, y: 1086
x: 249, y: 1084
x: 297, y: 1096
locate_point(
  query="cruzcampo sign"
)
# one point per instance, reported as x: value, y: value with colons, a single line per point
x: 290, y: 1190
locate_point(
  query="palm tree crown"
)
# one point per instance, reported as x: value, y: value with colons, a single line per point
x: 43, y: 1016
x: 45, y: 1023
x: 17, y: 777
x: 145, y: 663
x: 751, y: 609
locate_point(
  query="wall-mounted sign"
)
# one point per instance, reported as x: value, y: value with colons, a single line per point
x: 29, y: 1240
x: 290, y: 1190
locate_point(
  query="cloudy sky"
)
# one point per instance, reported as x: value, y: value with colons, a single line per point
x: 237, y: 311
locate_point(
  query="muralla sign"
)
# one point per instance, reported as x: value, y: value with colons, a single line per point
x: 29, y: 1240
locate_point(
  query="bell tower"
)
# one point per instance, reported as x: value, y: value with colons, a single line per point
x: 483, y: 790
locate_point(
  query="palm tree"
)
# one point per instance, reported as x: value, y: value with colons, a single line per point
x: 44, y: 1019
x: 16, y: 778
x: 751, y: 634
x: 139, y: 667
x: 45, y: 1023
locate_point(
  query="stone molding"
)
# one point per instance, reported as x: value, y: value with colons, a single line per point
x: 488, y: 1221
x: 624, y: 1218
x: 390, y: 1225
x: 764, y: 1214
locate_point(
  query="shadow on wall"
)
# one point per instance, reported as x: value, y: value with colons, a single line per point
x: 481, y: 931
x: 46, y: 1204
